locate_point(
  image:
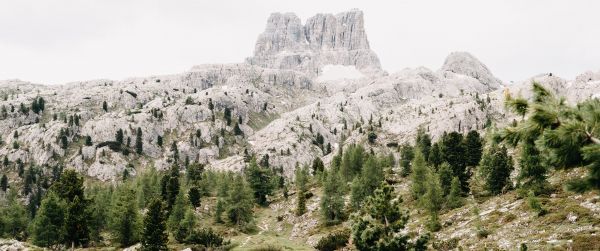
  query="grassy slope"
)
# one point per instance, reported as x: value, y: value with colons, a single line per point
x: 572, y: 222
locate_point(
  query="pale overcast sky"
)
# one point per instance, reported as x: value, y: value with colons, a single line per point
x: 58, y: 41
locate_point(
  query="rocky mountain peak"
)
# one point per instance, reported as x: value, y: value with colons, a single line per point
x: 284, y: 31
x: 343, y: 31
x: 325, y: 39
x: 466, y: 64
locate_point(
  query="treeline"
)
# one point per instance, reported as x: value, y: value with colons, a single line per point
x: 441, y: 172
x: 154, y: 208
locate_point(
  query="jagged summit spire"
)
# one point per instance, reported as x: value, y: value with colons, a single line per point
x: 325, y: 39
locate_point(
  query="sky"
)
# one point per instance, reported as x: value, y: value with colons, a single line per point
x: 60, y: 41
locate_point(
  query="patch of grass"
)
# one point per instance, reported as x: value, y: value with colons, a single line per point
x: 493, y: 217
x: 259, y: 120
x: 562, y: 207
x: 556, y: 217
x: 446, y: 245
x: 508, y: 218
x: 586, y: 242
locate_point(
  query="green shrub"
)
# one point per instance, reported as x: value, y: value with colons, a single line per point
x: 206, y: 237
x: 334, y: 241
x: 267, y: 248
x: 483, y: 233
x: 535, y: 205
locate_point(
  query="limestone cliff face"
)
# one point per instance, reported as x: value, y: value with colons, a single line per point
x: 284, y: 32
x: 324, y: 39
x: 344, y: 31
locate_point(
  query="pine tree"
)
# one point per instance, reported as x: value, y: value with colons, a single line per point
x: 88, y: 140
x: 419, y: 176
x: 495, y: 168
x: 41, y: 104
x: 186, y: 227
x: 211, y: 106
x: 445, y: 177
x: 222, y: 194
x: 4, y: 183
x: 423, y: 142
x: 195, y: 196
x: 533, y: 172
x: 371, y: 137
x: 175, y: 151
x: 5, y: 161
x: 352, y: 161
x: 99, y: 213
x: 47, y: 229
x: 432, y: 201
x: 119, y: 136
x: 240, y: 203
x: 154, y: 237
x: 365, y: 184
x: 76, y: 223
x: 227, y: 115
x: 34, y: 106
x: 13, y: 217
x: 264, y: 161
x: 554, y: 125
x: 64, y: 142
x: 219, y: 210
x: 3, y: 112
x: 237, y: 130
x: 170, y: 187
x: 301, y: 188
x: 69, y: 187
x: 317, y: 166
x: 454, y: 198
x: 104, y: 106
x: 177, y: 212
x: 380, y: 223
x: 406, y: 156
x: 139, y: 144
x: 435, y: 155
x: 260, y: 180
x: 124, y: 218
x: 194, y: 173
x: 159, y: 141
x: 332, y: 202
x: 473, y: 148
x: 453, y: 151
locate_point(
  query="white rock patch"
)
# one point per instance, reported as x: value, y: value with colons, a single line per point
x: 334, y: 72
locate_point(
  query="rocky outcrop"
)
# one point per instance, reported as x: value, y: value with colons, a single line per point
x: 324, y: 39
x: 466, y: 64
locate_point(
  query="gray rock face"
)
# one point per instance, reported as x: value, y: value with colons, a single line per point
x: 344, y: 31
x: 283, y: 32
x: 324, y: 39
x: 466, y: 64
